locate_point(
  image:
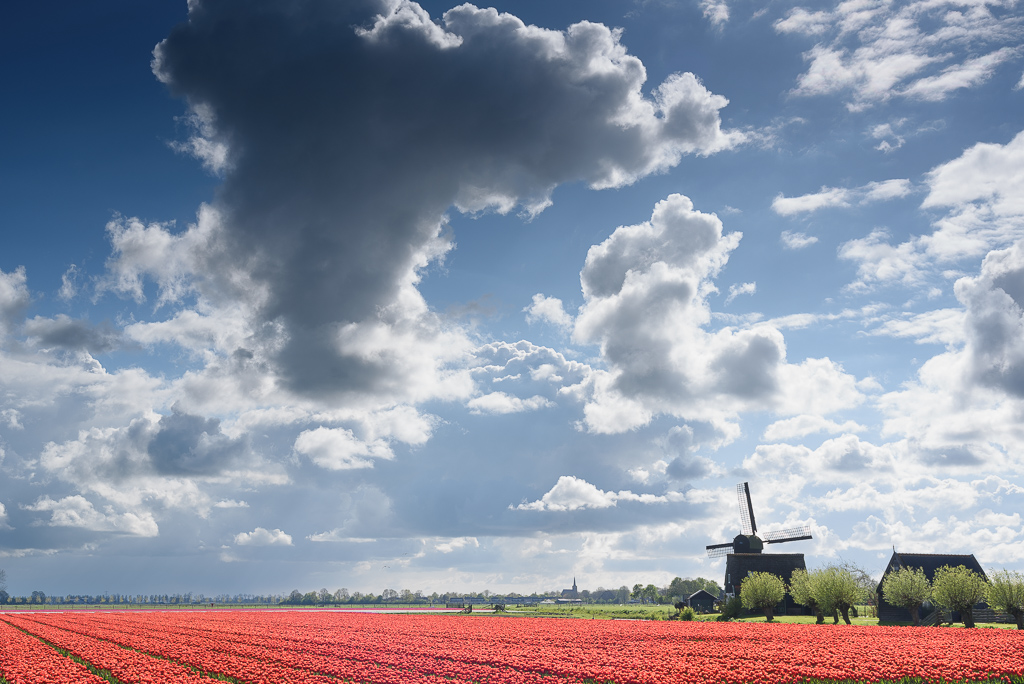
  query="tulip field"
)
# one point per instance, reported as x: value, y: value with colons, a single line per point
x: 328, y: 647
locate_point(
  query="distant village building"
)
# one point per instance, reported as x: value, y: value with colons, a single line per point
x: 929, y: 563
x: 701, y: 601
x: 571, y: 593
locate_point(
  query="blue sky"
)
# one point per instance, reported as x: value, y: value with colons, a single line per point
x: 380, y: 294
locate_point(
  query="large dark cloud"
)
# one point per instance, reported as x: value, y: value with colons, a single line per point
x: 192, y: 445
x: 14, y: 299
x: 994, y: 301
x: 73, y: 334
x: 345, y: 130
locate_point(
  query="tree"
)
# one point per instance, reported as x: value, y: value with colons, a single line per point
x: 907, y: 588
x: 622, y: 594
x: 959, y: 589
x: 762, y: 591
x: 323, y: 596
x: 678, y: 588
x: 683, y: 588
x: 731, y: 609
x: 638, y: 592
x: 1006, y: 593
x: 803, y: 590
x: 650, y: 593
x: 836, y: 588
x: 865, y: 582
x: 709, y: 586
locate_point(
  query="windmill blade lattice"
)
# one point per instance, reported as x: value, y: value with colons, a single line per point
x: 746, y: 509
x: 789, y: 534
x: 719, y: 550
x: 748, y: 542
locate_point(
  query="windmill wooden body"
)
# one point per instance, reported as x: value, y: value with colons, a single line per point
x: 744, y: 553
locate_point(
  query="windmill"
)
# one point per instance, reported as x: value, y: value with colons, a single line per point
x: 744, y: 551
x: 748, y: 541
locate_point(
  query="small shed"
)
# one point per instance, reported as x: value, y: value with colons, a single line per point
x: 929, y: 563
x: 701, y: 601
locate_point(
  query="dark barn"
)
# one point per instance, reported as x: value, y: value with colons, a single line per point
x: 929, y: 563
x: 739, y: 565
x: 701, y: 601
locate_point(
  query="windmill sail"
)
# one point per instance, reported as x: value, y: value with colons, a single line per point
x: 748, y: 542
x: 790, y: 534
x: 746, y: 509
x: 719, y: 550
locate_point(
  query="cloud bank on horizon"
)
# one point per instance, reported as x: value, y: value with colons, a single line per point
x: 492, y: 300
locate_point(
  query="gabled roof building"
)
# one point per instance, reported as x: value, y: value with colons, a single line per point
x: 739, y: 565
x: 701, y: 600
x: 929, y: 563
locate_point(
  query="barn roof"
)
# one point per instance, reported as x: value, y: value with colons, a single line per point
x: 782, y: 564
x: 930, y: 562
x: 702, y: 594
x: 739, y: 565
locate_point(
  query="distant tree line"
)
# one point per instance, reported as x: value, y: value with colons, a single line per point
x: 325, y: 597
x: 40, y: 598
x: 678, y: 589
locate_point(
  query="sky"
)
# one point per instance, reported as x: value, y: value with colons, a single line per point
x: 376, y: 294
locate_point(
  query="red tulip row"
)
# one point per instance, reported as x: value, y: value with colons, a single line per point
x: 320, y: 647
x: 251, y: 656
x: 26, y: 660
x: 125, y: 664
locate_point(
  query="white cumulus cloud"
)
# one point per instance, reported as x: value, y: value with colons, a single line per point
x: 263, y: 537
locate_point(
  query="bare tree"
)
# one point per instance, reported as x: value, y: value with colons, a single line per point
x: 1006, y: 592
x: 837, y: 589
x: 804, y: 591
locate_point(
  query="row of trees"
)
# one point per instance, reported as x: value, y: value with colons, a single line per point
x: 677, y: 590
x: 836, y: 590
x: 342, y: 596
x: 956, y: 589
x: 41, y: 598
x: 833, y: 590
